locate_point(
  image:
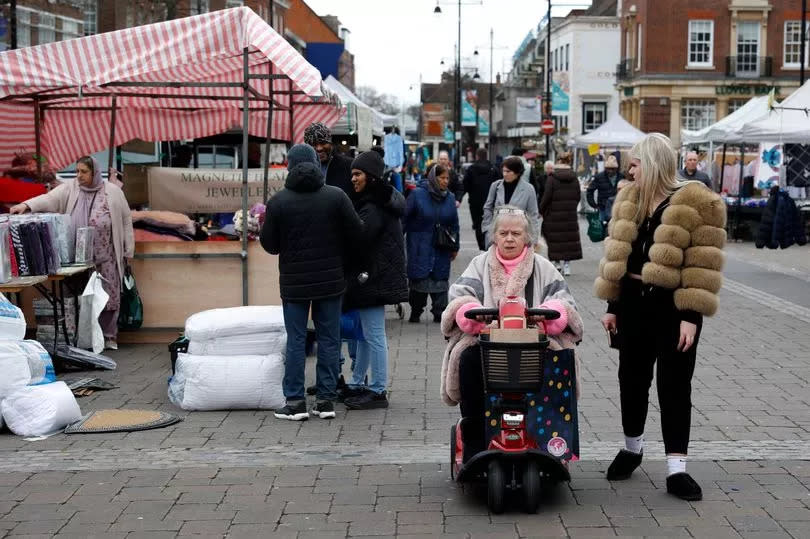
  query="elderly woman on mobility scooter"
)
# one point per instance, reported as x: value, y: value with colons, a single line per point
x: 511, y: 268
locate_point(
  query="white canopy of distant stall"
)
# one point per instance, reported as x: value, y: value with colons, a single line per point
x: 359, y: 119
x: 389, y: 120
x: 729, y: 129
x: 614, y: 132
x: 787, y: 122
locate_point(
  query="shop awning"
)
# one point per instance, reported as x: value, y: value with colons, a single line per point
x: 173, y: 80
x: 358, y: 119
x: 616, y: 132
x: 788, y: 121
x: 729, y: 129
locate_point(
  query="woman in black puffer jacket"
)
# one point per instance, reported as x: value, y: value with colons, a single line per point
x: 376, y: 276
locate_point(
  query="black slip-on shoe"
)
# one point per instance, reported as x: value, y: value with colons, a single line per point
x: 367, y: 400
x: 684, y: 487
x: 293, y: 411
x: 623, y: 465
x: 324, y: 410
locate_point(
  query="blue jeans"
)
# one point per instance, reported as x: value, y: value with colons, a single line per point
x: 326, y: 316
x: 373, y: 351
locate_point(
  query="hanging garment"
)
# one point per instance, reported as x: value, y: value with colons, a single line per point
x: 394, y: 156
x: 19, y: 250
x: 12, y: 256
x: 797, y: 165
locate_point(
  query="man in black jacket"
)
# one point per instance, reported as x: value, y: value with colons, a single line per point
x: 455, y: 186
x: 310, y: 226
x: 690, y: 171
x: 604, y: 185
x: 336, y: 169
x: 477, y: 180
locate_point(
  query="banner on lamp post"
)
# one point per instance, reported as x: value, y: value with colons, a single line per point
x: 469, y: 104
x: 483, y: 123
x: 528, y: 110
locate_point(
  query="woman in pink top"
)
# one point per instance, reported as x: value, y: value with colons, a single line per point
x: 509, y: 268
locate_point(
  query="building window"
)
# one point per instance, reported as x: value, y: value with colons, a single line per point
x: 793, y: 44
x: 47, y: 28
x: 566, y: 57
x: 23, y: 28
x: 734, y: 104
x: 638, y: 47
x: 701, y: 43
x: 593, y: 115
x: 71, y: 28
x: 198, y: 7
x: 697, y: 113
x: 234, y: 3
x: 560, y: 122
x: 90, y: 17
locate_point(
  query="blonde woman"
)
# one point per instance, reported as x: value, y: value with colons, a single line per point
x: 660, y: 275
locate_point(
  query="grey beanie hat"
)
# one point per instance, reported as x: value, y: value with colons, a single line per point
x: 302, y: 153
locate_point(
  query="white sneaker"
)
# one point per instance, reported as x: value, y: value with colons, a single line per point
x: 110, y: 344
x: 566, y: 269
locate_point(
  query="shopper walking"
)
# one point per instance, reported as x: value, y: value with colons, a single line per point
x: 92, y: 202
x: 559, y: 210
x: 539, y: 183
x: 431, y: 233
x: 513, y: 191
x: 376, y: 277
x: 603, y: 188
x: 336, y: 168
x: 310, y: 226
x: 456, y: 186
x: 660, y: 280
x: 477, y: 181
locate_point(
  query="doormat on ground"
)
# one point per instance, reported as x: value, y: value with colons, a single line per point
x: 122, y: 421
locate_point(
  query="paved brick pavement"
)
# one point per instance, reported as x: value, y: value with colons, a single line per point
x: 384, y: 472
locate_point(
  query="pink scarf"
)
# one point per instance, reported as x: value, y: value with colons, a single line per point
x: 510, y: 265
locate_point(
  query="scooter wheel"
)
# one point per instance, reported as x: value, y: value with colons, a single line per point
x: 531, y: 487
x: 453, y: 452
x: 496, y: 485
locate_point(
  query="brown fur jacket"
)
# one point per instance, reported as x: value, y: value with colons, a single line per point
x: 686, y: 255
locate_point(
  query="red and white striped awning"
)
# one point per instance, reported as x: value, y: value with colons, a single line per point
x: 75, y: 81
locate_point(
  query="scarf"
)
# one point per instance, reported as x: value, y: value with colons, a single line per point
x: 510, y: 265
x: 80, y: 215
x: 433, y: 187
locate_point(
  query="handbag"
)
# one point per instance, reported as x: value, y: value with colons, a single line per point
x: 443, y: 237
x: 351, y: 327
x: 130, y: 317
x: 596, y: 229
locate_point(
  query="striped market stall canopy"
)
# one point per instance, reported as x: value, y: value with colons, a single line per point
x: 181, y: 79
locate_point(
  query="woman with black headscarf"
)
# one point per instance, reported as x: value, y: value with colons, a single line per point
x: 92, y: 202
x: 431, y: 231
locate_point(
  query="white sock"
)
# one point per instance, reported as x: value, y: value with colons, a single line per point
x: 634, y: 444
x: 676, y: 464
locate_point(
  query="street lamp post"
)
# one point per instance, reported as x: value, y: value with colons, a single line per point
x: 547, y: 104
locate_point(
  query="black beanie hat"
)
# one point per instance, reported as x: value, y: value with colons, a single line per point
x: 371, y: 163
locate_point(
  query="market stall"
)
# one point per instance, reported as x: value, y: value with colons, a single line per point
x: 181, y: 79
x: 359, y: 120
x: 614, y: 133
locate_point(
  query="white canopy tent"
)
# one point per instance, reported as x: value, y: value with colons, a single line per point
x: 359, y: 119
x: 729, y: 129
x: 787, y: 122
x: 616, y: 132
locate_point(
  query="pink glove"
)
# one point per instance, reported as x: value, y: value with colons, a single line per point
x: 471, y: 327
x: 555, y: 327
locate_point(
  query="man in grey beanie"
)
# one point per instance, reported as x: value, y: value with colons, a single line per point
x: 336, y: 169
x: 310, y: 226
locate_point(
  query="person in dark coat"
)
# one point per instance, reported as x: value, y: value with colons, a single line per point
x: 376, y: 277
x: 456, y: 186
x: 336, y: 168
x: 559, y: 211
x: 540, y: 181
x: 477, y: 180
x: 430, y: 204
x: 310, y: 226
x: 605, y: 186
x: 690, y: 171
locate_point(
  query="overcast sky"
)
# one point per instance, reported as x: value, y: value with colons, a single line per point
x: 396, y: 41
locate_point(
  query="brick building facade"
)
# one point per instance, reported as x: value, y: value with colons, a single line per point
x: 688, y: 63
x: 42, y: 21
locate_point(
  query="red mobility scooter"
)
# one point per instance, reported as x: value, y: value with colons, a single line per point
x: 531, y: 429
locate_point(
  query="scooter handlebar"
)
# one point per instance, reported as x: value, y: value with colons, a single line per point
x: 473, y: 314
x: 548, y: 314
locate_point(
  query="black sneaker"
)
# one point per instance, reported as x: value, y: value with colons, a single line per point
x: 293, y: 411
x: 623, y: 465
x: 350, y: 392
x: 324, y: 409
x: 367, y: 400
x: 413, y: 319
x: 684, y: 487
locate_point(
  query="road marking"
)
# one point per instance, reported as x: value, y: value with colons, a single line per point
x: 768, y: 300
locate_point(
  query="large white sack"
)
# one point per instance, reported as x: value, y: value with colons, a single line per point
x: 39, y: 410
x: 228, y: 382
x: 14, y: 370
x: 91, y: 303
x: 12, y: 321
x: 261, y: 344
x: 209, y: 325
x: 33, y: 354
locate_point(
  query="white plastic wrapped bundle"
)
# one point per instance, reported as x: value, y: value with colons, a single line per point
x: 228, y: 382
x: 216, y: 323
x: 40, y: 410
x: 15, y: 370
x: 37, y: 363
x: 12, y: 321
x: 259, y: 344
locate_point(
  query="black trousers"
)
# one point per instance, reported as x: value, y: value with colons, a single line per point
x: 649, y: 327
x: 477, y: 214
x: 418, y: 301
x: 471, y: 384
